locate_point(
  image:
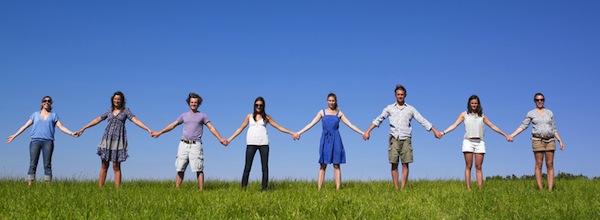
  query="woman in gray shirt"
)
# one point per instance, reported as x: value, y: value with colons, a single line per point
x: 543, y: 138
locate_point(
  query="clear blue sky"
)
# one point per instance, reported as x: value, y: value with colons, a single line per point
x: 293, y: 53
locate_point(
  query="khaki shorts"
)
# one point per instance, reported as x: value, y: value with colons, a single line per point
x: 539, y: 145
x: 400, y: 149
x: 191, y: 154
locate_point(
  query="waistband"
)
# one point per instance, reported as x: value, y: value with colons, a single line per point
x: 543, y: 137
x: 190, y: 141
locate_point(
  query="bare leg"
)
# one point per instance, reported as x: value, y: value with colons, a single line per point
x: 179, y: 179
x: 404, y: 174
x: 337, y: 174
x: 117, y: 170
x: 103, y: 170
x: 539, y: 158
x: 550, y: 169
x: 468, y: 166
x: 395, y: 175
x: 478, y: 169
x: 200, y: 176
x: 322, y: 169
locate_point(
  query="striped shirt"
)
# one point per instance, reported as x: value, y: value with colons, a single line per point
x: 543, y: 124
x: 400, y: 118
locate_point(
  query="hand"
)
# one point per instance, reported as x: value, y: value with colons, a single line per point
x: 155, y: 134
x: 562, y: 146
x: 437, y: 134
x: 366, y: 136
x: 224, y: 141
x: 79, y: 133
x: 10, y: 138
x: 509, y: 138
x: 295, y: 136
x: 74, y: 134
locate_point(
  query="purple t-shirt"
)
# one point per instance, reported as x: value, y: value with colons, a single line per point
x: 193, y: 124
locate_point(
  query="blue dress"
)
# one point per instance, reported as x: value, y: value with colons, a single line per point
x: 331, y: 149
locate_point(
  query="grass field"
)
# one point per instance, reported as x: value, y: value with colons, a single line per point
x: 422, y: 199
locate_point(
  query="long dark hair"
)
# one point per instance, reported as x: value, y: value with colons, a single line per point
x: 263, y: 113
x: 42, y: 105
x: 117, y: 93
x: 479, y: 109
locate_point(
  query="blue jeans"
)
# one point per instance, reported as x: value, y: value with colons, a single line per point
x: 46, y: 147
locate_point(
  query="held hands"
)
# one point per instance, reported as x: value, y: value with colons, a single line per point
x: 509, y: 138
x: 155, y: 134
x: 224, y: 141
x: 295, y: 136
x: 366, y: 136
x: 437, y: 134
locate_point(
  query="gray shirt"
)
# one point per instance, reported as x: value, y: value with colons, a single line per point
x: 543, y: 125
x: 400, y: 118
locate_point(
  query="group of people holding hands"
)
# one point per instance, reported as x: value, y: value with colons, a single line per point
x: 113, y: 146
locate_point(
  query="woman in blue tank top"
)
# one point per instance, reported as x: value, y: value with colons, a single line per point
x: 331, y: 149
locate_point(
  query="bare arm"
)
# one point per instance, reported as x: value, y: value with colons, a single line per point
x: 91, y: 124
x: 140, y: 124
x: 493, y: 127
x: 278, y: 127
x: 562, y: 146
x: 240, y: 129
x: 312, y: 123
x: 350, y: 125
x: 64, y: 129
x: 214, y: 131
x: 165, y: 130
x: 459, y: 120
x: 367, y: 133
x: 25, y: 126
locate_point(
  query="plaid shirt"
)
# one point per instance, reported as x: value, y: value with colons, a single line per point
x: 400, y: 118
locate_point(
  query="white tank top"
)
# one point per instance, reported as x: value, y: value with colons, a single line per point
x: 473, y: 126
x: 257, y: 133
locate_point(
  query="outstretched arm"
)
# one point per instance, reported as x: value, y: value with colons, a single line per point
x: 25, y: 126
x: 295, y: 136
x: 367, y: 133
x: 91, y: 124
x: 139, y: 123
x: 347, y: 122
x: 312, y: 123
x: 64, y: 129
x: 459, y: 120
x: 214, y: 131
x: 165, y: 130
x: 240, y: 129
x: 493, y: 127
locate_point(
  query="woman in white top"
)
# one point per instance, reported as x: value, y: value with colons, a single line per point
x: 257, y: 139
x: 473, y: 140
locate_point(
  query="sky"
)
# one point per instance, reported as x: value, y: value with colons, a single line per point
x: 293, y: 53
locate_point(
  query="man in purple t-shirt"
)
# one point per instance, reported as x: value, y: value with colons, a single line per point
x: 190, y: 146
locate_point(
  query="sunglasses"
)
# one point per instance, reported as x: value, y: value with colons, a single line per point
x: 539, y: 100
x: 47, y: 100
x: 258, y: 105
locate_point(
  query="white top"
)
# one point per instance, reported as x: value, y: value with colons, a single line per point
x: 473, y: 126
x: 257, y: 133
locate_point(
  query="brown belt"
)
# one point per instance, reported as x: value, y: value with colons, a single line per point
x: 543, y: 138
x: 188, y: 141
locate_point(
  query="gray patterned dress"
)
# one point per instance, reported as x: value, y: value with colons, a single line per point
x: 113, y: 146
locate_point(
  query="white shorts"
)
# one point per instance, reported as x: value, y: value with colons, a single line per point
x: 192, y: 154
x: 473, y: 146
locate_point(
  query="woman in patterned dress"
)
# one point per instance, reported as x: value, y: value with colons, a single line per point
x: 331, y: 149
x: 113, y: 146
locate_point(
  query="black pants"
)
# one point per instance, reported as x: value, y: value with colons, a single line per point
x: 264, y: 159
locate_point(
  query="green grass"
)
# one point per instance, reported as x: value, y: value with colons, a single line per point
x: 442, y: 199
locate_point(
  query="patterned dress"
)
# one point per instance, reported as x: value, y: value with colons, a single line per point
x: 113, y: 146
x: 331, y: 149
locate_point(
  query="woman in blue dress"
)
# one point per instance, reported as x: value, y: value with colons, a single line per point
x: 113, y: 146
x: 331, y: 149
